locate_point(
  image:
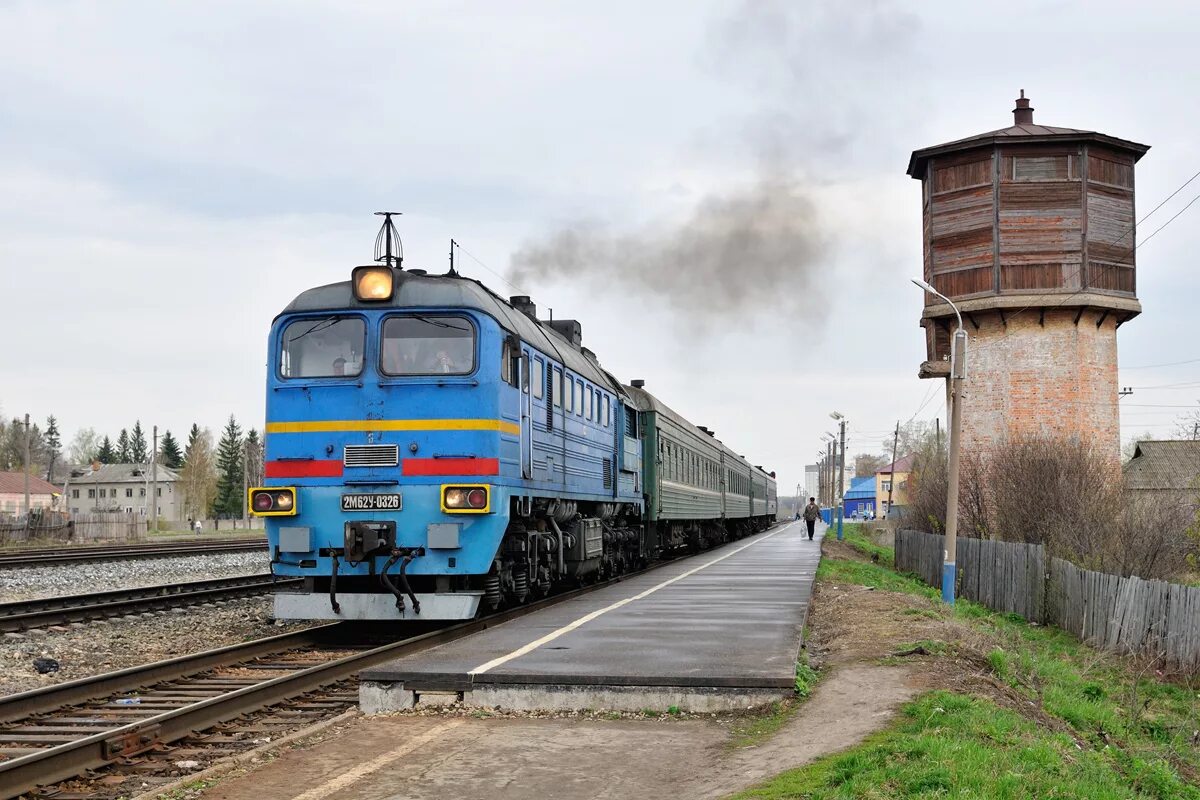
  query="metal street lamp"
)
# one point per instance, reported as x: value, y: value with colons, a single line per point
x: 958, y: 374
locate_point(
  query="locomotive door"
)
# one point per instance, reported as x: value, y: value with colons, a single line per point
x: 526, y: 414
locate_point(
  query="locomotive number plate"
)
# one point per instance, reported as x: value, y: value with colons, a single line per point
x: 371, y: 502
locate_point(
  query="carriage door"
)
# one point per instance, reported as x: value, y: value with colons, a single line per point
x: 526, y: 414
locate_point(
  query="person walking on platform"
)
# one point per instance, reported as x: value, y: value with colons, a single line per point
x: 812, y: 512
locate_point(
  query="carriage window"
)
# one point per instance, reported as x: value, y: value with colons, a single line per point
x: 420, y: 345
x: 539, y: 378
x: 331, y: 347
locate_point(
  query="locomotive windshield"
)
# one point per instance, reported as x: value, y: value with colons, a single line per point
x: 331, y: 347
x: 423, y: 345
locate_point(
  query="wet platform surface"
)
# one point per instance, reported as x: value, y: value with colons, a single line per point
x: 727, y: 621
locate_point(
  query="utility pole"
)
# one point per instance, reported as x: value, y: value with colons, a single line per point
x: 958, y: 374
x: 831, y: 460
x: 26, y: 464
x: 154, y: 481
x: 246, y: 483
x: 842, y: 480
x: 892, y: 473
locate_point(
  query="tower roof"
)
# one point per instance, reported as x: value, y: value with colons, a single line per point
x: 1024, y: 131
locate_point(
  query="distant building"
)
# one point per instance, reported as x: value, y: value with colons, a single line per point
x: 1166, y: 470
x: 860, y: 498
x: 12, y: 494
x: 812, y: 479
x: 124, y: 487
x: 893, y: 478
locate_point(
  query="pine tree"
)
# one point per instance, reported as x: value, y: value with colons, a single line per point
x: 139, y: 453
x: 168, y: 452
x: 123, y: 452
x: 53, y: 446
x: 107, y: 454
x: 193, y: 436
x: 229, y: 471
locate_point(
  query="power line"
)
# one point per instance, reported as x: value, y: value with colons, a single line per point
x: 1168, y: 364
x: 507, y: 282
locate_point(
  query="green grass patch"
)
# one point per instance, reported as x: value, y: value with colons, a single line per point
x: 1135, y: 733
x: 947, y: 745
x: 754, y: 729
x: 858, y: 536
x: 873, y: 575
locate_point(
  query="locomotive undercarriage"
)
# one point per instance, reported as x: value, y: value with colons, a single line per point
x: 553, y: 543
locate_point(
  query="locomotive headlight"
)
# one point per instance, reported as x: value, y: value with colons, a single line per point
x: 273, y: 502
x: 471, y: 499
x: 372, y: 283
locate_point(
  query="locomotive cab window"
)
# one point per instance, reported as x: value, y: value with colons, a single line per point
x: 427, y: 345
x: 331, y: 347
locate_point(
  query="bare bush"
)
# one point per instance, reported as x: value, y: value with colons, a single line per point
x: 1061, y: 493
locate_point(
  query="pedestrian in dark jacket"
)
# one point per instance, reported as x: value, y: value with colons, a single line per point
x: 812, y: 512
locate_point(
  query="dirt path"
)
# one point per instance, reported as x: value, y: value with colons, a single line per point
x: 433, y: 757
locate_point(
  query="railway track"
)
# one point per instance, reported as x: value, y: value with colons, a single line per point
x: 140, y: 722
x: 43, y: 612
x: 70, y: 555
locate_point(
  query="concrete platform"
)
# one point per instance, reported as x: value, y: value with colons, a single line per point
x: 717, y: 631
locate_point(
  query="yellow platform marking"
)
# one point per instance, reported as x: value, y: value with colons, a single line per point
x: 349, y: 425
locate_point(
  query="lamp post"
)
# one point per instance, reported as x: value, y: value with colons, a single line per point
x: 833, y: 467
x: 958, y: 373
x: 841, y: 484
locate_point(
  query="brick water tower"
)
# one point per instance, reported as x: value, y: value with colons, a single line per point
x: 1029, y: 230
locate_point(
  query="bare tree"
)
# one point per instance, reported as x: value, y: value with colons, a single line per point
x: 1059, y: 493
x: 199, y: 476
x: 85, y: 444
x: 867, y: 464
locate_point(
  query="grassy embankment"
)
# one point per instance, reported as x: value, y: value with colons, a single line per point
x: 1064, y: 721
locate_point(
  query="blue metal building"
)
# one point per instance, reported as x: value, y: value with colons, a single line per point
x: 859, y: 499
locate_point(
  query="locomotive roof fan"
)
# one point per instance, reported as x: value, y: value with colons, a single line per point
x: 377, y: 283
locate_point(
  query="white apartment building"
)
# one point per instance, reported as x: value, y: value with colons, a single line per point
x: 124, y: 487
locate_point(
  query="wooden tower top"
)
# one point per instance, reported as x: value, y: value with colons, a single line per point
x: 1026, y: 218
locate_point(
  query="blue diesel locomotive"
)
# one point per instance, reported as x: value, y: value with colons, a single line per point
x: 433, y: 450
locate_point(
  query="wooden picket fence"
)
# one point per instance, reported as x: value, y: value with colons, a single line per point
x: 1123, y: 615
x: 103, y: 526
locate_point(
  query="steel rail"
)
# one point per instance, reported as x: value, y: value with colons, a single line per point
x: 43, y: 611
x: 71, y: 759
x: 67, y: 555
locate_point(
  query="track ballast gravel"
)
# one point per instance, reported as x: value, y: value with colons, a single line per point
x: 27, y: 583
x: 84, y: 649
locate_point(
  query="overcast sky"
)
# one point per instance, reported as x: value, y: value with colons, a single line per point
x: 172, y: 174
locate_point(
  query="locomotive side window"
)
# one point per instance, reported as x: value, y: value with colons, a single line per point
x: 569, y: 395
x: 331, y: 347
x: 587, y: 403
x: 556, y: 387
x: 421, y: 345
x: 579, y: 398
x: 607, y: 413
x: 539, y: 378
